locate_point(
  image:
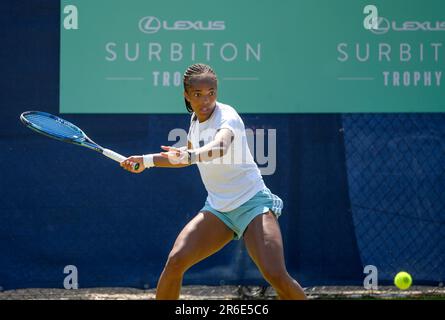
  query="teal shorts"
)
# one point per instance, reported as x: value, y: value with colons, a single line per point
x: 239, y: 218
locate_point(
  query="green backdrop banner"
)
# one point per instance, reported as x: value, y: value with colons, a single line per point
x: 287, y: 56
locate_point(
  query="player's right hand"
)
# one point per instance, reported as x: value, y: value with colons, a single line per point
x: 129, y: 163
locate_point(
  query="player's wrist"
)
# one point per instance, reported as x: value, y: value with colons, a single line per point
x: 192, y: 156
x: 148, y: 160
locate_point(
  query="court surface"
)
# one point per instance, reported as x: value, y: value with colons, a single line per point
x: 226, y: 293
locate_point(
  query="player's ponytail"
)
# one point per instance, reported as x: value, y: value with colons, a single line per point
x: 193, y: 71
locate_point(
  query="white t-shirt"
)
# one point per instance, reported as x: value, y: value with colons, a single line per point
x: 234, y: 178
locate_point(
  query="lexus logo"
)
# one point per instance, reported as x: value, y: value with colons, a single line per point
x: 152, y: 24
x: 149, y: 25
x: 384, y: 26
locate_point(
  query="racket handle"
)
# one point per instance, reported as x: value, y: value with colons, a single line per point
x: 117, y: 157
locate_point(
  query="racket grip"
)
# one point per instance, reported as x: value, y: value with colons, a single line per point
x: 117, y: 157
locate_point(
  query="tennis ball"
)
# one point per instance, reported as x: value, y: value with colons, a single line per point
x: 403, y: 280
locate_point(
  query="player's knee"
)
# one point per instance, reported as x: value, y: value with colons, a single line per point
x: 177, y: 263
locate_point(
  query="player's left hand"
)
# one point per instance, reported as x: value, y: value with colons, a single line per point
x: 176, y: 155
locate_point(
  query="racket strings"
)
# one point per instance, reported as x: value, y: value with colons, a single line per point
x: 54, y: 127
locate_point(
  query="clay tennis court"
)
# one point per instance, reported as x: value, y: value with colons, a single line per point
x: 226, y: 293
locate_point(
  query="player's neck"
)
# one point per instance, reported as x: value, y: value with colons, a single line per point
x: 207, y: 117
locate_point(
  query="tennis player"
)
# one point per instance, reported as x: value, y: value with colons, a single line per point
x: 239, y: 205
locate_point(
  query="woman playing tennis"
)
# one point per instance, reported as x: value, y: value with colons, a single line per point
x: 239, y: 205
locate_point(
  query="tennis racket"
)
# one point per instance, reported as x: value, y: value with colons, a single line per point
x: 57, y: 128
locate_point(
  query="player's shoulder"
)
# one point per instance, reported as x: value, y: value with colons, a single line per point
x: 225, y: 107
x: 227, y: 111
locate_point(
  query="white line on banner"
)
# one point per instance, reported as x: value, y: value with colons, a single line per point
x: 241, y: 79
x: 125, y: 78
x: 355, y: 78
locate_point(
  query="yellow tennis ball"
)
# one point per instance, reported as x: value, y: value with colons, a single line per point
x: 403, y: 280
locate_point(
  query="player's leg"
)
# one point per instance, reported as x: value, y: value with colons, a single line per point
x: 265, y: 246
x: 201, y: 237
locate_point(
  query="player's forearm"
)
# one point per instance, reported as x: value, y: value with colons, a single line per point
x: 213, y: 150
x: 159, y: 161
x: 210, y: 151
x: 186, y: 156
